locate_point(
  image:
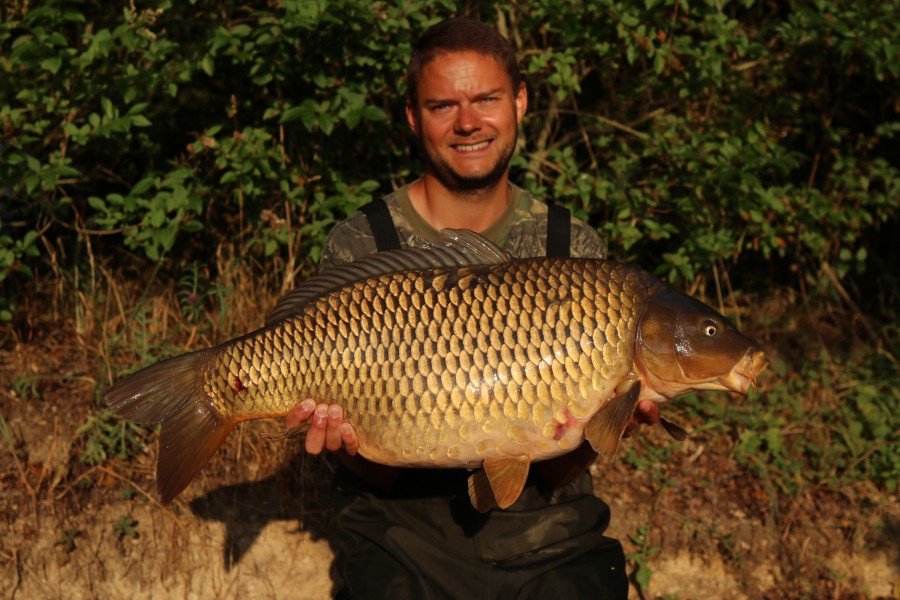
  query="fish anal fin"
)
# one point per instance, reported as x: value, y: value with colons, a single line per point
x: 675, y: 430
x: 507, y: 477
x: 480, y: 492
x: 604, y: 430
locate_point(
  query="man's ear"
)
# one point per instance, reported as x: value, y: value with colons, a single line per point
x: 411, y: 118
x: 521, y: 102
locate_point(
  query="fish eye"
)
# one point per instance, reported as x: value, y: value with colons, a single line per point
x: 710, y: 329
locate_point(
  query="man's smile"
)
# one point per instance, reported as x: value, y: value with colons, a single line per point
x: 471, y: 147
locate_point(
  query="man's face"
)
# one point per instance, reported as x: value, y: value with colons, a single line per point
x: 466, y: 119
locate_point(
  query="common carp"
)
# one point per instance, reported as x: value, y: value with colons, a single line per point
x: 454, y: 354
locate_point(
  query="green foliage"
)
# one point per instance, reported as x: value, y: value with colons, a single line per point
x: 185, y: 123
x: 709, y: 132
x: 641, y: 557
x: 126, y: 526
x: 106, y: 437
x: 690, y: 133
x: 648, y: 458
x: 194, y: 289
x: 831, y: 424
x: 26, y: 387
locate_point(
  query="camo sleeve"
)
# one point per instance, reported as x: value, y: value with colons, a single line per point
x: 348, y: 240
x: 586, y: 242
x: 527, y: 234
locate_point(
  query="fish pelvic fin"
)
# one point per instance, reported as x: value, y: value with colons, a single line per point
x: 505, y: 478
x: 604, y: 430
x: 170, y: 393
x: 675, y: 430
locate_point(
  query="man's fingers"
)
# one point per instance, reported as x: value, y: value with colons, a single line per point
x: 315, y: 438
x: 327, y: 428
x: 629, y: 429
x: 647, y: 412
x: 348, y: 435
x: 333, y: 429
x: 299, y: 413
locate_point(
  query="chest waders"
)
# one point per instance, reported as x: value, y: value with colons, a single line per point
x: 422, y: 540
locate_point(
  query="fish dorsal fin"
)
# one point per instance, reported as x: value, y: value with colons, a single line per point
x: 505, y: 480
x: 605, y: 428
x: 456, y: 248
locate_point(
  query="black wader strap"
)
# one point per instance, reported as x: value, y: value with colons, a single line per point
x: 382, y: 225
x: 559, y: 231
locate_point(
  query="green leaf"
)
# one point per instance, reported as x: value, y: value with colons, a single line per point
x: 143, y: 186
x: 51, y: 64
x: 630, y: 20
x: 208, y: 65
x: 373, y: 113
x: 292, y: 114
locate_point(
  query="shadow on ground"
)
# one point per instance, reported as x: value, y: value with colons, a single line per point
x: 299, y: 490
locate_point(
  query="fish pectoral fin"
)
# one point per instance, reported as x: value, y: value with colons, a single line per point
x: 299, y: 431
x: 499, y: 483
x: 678, y: 432
x: 604, y: 430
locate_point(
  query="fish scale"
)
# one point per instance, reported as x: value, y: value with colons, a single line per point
x: 453, y: 355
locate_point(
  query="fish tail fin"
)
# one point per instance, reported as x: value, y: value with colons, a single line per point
x: 170, y: 393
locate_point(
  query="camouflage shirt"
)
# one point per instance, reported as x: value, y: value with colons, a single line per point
x: 522, y: 230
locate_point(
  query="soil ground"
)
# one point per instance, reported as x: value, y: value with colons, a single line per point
x: 255, y: 523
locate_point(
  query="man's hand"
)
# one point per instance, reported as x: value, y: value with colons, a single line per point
x: 327, y: 428
x: 646, y: 413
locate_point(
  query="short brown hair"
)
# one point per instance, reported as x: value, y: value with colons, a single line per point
x: 460, y: 34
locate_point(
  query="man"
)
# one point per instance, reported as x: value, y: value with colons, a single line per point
x: 412, y: 533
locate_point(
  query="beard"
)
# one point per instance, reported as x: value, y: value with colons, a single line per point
x: 468, y: 184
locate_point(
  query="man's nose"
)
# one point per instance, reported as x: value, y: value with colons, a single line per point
x: 467, y: 120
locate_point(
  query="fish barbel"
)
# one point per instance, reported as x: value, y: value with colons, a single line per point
x: 455, y: 354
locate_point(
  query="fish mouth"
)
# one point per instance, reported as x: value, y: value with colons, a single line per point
x: 744, y: 373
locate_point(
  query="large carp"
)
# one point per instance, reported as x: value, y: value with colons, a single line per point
x: 455, y: 354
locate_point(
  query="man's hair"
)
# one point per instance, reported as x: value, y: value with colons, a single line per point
x: 460, y: 35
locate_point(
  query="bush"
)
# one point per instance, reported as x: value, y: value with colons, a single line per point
x: 693, y: 135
